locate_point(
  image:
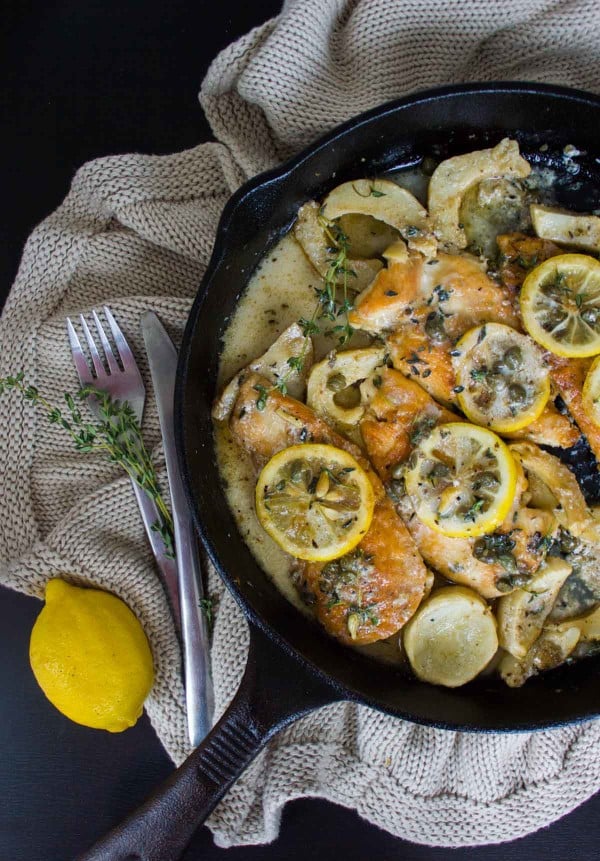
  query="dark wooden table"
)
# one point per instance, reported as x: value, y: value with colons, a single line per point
x: 81, y: 80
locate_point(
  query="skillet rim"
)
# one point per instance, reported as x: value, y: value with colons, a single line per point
x: 236, y: 201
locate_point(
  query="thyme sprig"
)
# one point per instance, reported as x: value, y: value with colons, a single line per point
x: 327, y: 306
x: 115, y: 434
x: 207, y: 605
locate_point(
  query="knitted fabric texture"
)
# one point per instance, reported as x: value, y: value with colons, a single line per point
x: 135, y: 232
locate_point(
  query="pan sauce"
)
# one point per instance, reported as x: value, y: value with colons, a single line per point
x: 280, y: 292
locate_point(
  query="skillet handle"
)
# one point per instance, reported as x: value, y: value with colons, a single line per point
x: 274, y: 692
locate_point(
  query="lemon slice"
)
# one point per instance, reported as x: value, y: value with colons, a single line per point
x: 560, y: 305
x: 451, y: 638
x: 591, y: 392
x: 503, y: 382
x: 461, y: 479
x: 315, y: 501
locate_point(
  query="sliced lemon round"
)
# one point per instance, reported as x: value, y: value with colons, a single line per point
x: 503, y: 382
x: 461, y: 479
x: 560, y: 305
x: 315, y: 501
x: 591, y: 392
x: 451, y: 638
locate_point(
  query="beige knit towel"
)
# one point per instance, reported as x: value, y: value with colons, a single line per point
x: 136, y: 232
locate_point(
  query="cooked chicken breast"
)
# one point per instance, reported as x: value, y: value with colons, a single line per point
x: 383, y: 581
x: 568, y: 375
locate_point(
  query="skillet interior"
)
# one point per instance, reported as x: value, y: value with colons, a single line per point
x: 439, y: 123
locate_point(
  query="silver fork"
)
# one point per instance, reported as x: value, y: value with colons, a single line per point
x: 121, y: 379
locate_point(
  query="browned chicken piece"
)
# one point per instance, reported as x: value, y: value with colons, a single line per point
x: 455, y: 558
x: 431, y: 367
x: 520, y: 254
x: 381, y: 583
x: 453, y: 287
x: 369, y: 594
x: 415, y: 354
x: 425, y: 306
x: 390, y: 297
x: 552, y: 428
x: 568, y: 375
x: 398, y: 412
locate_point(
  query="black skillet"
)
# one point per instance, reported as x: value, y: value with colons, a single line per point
x: 293, y: 667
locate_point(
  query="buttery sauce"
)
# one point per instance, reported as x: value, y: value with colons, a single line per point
x: 279, y: 293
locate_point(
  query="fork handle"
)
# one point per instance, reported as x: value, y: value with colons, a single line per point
x: 167, y: 566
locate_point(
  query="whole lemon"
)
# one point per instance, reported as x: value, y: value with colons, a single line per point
x: 91, y: 657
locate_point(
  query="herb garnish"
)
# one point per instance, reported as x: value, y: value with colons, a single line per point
x: 328, y: 307
x: 207, y: 605
x: 372, y: 192
x: 116, y: 434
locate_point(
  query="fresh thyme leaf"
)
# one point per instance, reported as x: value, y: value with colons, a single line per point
x: 309, y: 327
x: 327, y: 307
x: 478, y: 374
x: 474, y: 510
x: 207, y: 605
x: 372, y: 192
x: 115, y: 434
x: 296, y: 363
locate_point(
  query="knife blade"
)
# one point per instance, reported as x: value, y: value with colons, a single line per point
x: 162, y: 360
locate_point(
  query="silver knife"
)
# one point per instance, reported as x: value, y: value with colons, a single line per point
x: 162, y: 359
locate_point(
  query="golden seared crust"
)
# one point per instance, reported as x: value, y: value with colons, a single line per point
x: 425, y: 308
x: 453, y: 284
x: 393, y: 417
x: 393, y: 582
x: 385, y: 301
x: 413, y: 353
x: 551, y: 428
x: 396, y: 416
x: 390, y: 587
x: 454, y: 557
x: 568, y: 375
x: 519, y: 254
x: 284, y: 421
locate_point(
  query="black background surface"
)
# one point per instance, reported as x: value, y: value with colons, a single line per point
x: 80, y: 80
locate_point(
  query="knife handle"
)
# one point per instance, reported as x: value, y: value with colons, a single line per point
x: 166, y: 565
x: 199, y: 695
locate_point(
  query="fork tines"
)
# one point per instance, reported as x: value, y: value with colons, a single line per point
x: 101, y: 367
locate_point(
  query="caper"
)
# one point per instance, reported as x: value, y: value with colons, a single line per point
x: 487, y: 481
x: 483, y: 552
x: 512, y: 358
x: 297, y: 471
x: 508, y: 562
x: 504, y: 584
x: 397, y: 490
x: 517, y: 395
x: 568, y: 542
x: 336, y: 382
x: 440, y: 470
x: 590, y: 316
x: 495, y: 380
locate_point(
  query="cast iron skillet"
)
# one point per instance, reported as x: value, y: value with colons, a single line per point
x: 293, y: 666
